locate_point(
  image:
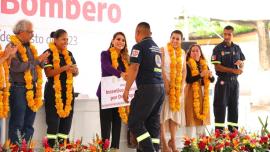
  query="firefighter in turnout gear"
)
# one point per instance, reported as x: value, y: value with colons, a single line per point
x: 229, y: 62
x: 144, y: 117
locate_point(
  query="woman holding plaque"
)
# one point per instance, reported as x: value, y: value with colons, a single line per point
x: 114, y: 62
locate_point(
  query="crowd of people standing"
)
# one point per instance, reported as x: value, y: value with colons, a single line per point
x: 172, y: 86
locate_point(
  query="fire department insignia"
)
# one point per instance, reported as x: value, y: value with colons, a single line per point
x: 222, y: 53
x: 135, y: 53
x: 214, y: 57
x: 158, y: 60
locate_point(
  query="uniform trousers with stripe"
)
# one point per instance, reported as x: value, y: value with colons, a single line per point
x: 57, y: 128
x: 144, y: 117
x: 226, y: 99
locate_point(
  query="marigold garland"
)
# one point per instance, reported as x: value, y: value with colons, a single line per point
x: 34, y: 101
x: 196, y: 87
x: 61, y: 111
x: 175, y: 77
x: 4, y: 85
x: 123, y: 111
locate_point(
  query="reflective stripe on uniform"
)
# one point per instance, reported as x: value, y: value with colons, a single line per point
x: 233, y: 124
x: 62, y: 136
x: 155, y: 141
x: 216, y: 62
x: 48, y: 65
x: 51, y: 136
x: 142, y: 137
x: 157, y: 70
x: 219, y: 124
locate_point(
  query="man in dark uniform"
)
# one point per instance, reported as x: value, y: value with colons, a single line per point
x: 229, y: 62
x: 144, y: 117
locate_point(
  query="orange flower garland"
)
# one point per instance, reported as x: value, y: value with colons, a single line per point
x: 175, y: 77
x: 5, y: 85
x: 123, y: 111
x: 196, y: 87
x: 62, y: 112
x: 34, y: 101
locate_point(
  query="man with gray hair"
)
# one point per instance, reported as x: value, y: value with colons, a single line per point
x: 25, y: 71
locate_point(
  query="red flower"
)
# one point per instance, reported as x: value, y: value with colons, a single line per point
x: 243, y: 148
x: 78, y: 142
x: 268, y: 135
x: 187, y: 142
x: 69, y: 146
x: 84, y: 147
x: 233, y: 134
x: 24, y: 146
x: 210, y: 148
x: 14, y: 148
x: 100, y: 142
x: 106, y: 144
x: 227, y: 144
x: 45, y: 142
x: 264, y: 139
x: 217, y: 133
x: 219, y: 146
x: 202, y: 145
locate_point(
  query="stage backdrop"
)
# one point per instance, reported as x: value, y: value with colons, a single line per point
x: 90, y: 25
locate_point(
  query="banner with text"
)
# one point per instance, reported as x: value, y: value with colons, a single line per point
x: 112, y: 89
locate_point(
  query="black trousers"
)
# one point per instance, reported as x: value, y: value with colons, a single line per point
x: 57, y: 128
x: 226, y: 98
x: 144, y: 117
x: 110, y: 121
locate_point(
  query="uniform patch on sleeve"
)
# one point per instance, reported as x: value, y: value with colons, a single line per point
x: 214, y: 57
x: 158, y: 60
x: 135, y: 53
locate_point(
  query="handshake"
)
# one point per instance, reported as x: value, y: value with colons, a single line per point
x: 124, y: 75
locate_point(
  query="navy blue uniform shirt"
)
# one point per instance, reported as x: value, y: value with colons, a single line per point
x: 148, y: 55
x: 49, y: 63
x: 227, y: 56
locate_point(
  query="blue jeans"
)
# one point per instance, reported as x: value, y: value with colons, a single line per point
x: 21, y: 116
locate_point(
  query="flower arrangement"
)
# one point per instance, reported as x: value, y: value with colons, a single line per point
x: 97, y: 145
x: 227, y: 141
x: 21, y: 146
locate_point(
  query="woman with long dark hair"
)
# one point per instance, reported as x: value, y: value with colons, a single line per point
x: 197, y: 106
x: 114, y: 62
